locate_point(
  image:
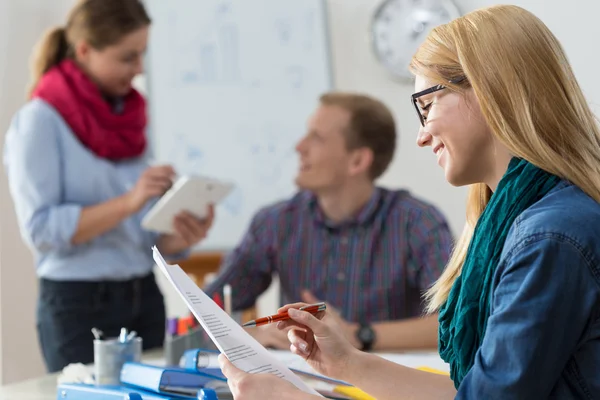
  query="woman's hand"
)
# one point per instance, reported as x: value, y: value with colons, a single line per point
x: 245, y: 386
x: 189, y: 230
x: 154, y: 182
x: 319, y: 340
x: 349, y: 329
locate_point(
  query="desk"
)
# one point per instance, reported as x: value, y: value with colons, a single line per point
x: 44, y: 388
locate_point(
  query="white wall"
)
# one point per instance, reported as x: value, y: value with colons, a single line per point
x: 21, y: 24
x: 355, y: 69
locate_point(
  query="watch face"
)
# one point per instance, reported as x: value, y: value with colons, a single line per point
x: 366, y: 334
x: 400, y: 26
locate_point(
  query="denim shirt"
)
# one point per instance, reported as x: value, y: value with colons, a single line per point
x: 543, y: 334
x: 52, y: 177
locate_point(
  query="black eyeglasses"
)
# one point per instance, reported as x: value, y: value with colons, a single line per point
x: 432, y: 89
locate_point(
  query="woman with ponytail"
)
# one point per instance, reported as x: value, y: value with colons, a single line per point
x: 75, y: 156
x: 519, y: 302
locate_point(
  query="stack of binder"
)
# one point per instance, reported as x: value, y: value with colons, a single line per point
x: 198, y: 378
x: 149, y: 382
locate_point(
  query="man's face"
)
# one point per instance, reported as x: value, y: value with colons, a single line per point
x: 325, y: 161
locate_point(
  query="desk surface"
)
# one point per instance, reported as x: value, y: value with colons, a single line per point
x: 44, y: 388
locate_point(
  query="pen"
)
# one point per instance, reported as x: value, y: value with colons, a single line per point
x: 227, y: 296
x: 123, y: 335
x: 172, y: 324
x: 97, y: 333
x: 313, y: 309
x: 131, y: 336
x: 217, y: 299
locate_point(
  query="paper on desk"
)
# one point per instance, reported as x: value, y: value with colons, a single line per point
x: 229, y: 337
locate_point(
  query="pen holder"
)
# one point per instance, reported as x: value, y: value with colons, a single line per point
x: 109, y: 357
x: 175, y: 346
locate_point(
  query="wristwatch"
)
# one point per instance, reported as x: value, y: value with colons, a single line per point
x: 366, y: 336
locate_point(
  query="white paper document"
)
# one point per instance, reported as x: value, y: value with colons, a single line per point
x: 229, y: 337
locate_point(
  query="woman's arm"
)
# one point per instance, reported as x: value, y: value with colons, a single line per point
x: 542, y: 309
x: 100, y: 218
x: 384, y: 379
x: 326, y: 350
x: 32, y: 158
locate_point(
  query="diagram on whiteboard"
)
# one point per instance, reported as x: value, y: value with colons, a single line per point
x: 270, y: 147
x: 186, y: 157
x: 233, y: 203
x: 209, y: 56
x: 214, y: 54
x: 232, y: 84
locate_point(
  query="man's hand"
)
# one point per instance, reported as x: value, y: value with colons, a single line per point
x: 270, y: 337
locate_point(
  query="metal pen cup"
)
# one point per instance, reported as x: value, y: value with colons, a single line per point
x: 110, y: 355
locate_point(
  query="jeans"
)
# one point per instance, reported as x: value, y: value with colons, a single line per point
x: 67, y: 312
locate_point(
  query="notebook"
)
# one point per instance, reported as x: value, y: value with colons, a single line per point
x: 190, y: 193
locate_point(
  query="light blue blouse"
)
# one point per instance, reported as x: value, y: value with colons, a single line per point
x: 52, y: 176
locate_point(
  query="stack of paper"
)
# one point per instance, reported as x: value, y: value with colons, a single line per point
x: 229, y: 337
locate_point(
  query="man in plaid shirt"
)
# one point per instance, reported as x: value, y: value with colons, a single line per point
x: 369, y: 252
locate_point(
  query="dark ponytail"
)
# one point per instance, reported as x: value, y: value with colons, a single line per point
x: 51, y: 50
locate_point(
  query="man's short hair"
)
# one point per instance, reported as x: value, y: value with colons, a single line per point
x: 371, y: 125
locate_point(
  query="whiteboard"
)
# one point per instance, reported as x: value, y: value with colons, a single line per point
x: 231, y: 84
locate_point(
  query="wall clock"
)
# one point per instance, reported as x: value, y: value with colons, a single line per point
x: 399, y: 26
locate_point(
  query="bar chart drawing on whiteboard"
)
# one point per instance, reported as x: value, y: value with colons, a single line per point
x: 211, y: 56
x: 232, y: 84
x: 270, y: 146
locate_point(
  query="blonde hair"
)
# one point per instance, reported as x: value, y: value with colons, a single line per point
x: 529, y: 98
x: 101, y: 23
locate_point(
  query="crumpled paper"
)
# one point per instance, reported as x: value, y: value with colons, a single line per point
x: 76, y: 373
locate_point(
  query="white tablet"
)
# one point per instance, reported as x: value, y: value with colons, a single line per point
x: 189, y: 193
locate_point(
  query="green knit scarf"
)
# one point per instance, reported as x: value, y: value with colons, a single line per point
x: 463, y: 317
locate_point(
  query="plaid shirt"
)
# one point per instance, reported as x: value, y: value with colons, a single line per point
x: 374, y: 267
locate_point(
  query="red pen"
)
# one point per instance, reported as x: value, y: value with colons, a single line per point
x: 313, y: 309
x: 217, y: 299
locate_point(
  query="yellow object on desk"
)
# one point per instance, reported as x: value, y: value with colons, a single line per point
x: 353, y: 393
x: 357, y: 394
x: 433, y: 371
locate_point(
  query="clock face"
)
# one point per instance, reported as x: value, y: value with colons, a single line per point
x: 400, y: 26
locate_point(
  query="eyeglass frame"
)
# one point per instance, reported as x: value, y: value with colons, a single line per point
x: 430, y: 90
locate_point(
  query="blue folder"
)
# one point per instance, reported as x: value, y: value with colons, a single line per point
x: 80, y: 391
x: 198, y: 359
x: 167, y: 380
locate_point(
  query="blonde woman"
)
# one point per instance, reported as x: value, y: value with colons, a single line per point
x: 519, y: 302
